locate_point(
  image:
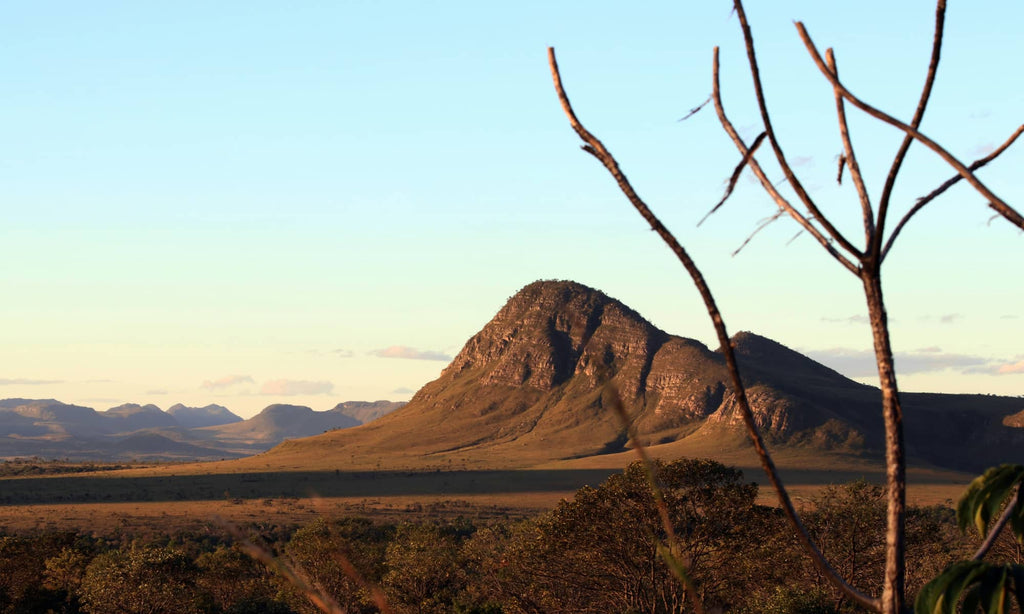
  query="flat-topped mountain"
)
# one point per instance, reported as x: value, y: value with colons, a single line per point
x: 529, y: 386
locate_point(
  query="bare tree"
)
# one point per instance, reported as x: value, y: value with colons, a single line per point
x: 864, y: 262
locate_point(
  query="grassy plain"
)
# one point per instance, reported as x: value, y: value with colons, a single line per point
x: 271, y: 489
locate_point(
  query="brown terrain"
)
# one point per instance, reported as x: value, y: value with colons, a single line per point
x: 520, y: 419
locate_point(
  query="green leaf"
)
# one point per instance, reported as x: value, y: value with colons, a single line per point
x: 993, y: 590
x: 971, y: 572
x: 941, y: 595
x: 986, y: 494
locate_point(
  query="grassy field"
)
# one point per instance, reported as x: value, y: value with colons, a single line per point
x: 204, y: 496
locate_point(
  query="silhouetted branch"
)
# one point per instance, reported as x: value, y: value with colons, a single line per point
x: 924, y: 200
x: 748, y: 39
x: 695, y: 110
x: 995, y: 202
x: 851, y: 160
x: 780, y: 200
x: 764, y: 224
x: 735, y: 175
x: 597, y: 149
x: 842, y: 165
x: 897, y: 162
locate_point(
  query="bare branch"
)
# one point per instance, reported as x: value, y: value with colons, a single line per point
x: 995, y: 202
x: 764, y: 224
x: 926, y: 92
x: 780, y: 200
x: 735, y: 175
x: 739, y: 390
x: 851, y: 161
x: 842, y: 165
x: 924, y: 200
x: 695, y: 110
x: 805, y: 198
x: 997, y: 528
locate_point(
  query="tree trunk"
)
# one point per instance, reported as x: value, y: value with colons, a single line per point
x: 895, y: 461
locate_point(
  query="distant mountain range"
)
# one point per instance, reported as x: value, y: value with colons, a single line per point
x: 527, y: 389
x: 51, y: 429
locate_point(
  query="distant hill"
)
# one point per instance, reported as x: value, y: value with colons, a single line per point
x: 51, y: 429
x: 279, y: 422
x: 197, y: 417
x: 528, y: 387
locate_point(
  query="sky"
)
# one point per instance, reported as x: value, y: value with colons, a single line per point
x: 249, y: 203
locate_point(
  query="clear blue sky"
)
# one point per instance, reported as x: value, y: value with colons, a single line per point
x: 257, y: 202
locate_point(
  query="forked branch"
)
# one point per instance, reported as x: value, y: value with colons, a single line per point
x: 995, y: 202
x: 851, y: 161
x: 924, y: 200
x: 769, y: 187
x: 805, y: 198
x: 594, y: 147
x: 901, y: 154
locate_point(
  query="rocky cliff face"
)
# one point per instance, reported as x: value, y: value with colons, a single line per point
x: 533, y: 384
x: 535, y: 375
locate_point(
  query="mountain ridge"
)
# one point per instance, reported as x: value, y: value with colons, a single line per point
x: 528, y: 386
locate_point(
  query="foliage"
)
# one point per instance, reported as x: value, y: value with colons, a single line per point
x: 142, y: 580
x: 599, y: 551
x: 320, y: 552
x: 975, y: 584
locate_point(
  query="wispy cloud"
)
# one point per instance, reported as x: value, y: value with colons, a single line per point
x: 949, y: 318
x: 861, y: 363
x: 342, y: 353
x: 1013, y: 367
x: 1009, y: 316
x: 403, y: 390
x: 226, y: 382
x: 290, y: 387
x: 802, y: 161
x: 401, y: 351
x: 20, y: 381
x: 854, y: 319
x: 157, y: 392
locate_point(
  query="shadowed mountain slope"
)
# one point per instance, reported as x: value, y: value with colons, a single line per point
x: 528, y: 388
x: 197, y: 417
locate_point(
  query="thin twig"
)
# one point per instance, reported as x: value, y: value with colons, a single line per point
x: 842, y: 165
x: 597, y: 149
x: 997, y: 528
x: 851, y: 161
x: 764, y: 224
x: 695, y: 110
x: 926, y: 92
x: 805, y: 198
x: 290, y: 572
x: 924, y: 200
x: 995, y: 202
x: 735, y: 176
x: 768, y: 186
x: 677, y: 569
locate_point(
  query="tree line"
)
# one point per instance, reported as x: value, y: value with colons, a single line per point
x: 597, y: 552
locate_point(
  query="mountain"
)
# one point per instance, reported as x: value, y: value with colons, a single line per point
x: 197, y: 417
x: 52, y: 429
x: 132, y: 417
x: 528, y: 388
x: 367, y: 411
x: 279, y: 422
